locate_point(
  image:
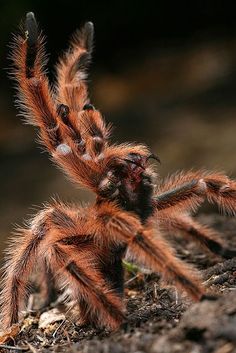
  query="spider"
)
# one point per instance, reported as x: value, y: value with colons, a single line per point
x: 80, y: 250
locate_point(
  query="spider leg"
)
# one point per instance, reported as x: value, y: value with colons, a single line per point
x: 22, y: 254
x: 208, y: 238
x: 71, y: 75
x: 74, y: 134
x: 48, y: 285
x: 77, y: 271
x: 149, y: 247
x: 73, y: 141
x: 73, y: 96
x: 59, y: 237
x: 35, y: 97
x: 185, y: 192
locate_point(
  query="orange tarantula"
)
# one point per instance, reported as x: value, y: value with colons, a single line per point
x: 80, y: 250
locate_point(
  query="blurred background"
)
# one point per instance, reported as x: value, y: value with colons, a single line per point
x: 163, y: 73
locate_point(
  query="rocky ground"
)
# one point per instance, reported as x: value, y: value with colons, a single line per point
x: 159, y: 320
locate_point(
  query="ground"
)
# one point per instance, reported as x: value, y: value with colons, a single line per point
x: 159, y: 320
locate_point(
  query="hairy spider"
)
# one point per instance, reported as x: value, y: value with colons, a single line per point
x: 80, y: 250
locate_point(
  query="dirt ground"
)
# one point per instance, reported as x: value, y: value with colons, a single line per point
x: 159, y: 320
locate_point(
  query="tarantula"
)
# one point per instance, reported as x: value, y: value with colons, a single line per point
x: 80, y: 250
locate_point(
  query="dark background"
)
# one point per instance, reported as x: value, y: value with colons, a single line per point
x: 163, y: 73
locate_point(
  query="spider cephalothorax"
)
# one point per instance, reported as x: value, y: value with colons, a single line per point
x: 129, y: 182
x: 80, y: 250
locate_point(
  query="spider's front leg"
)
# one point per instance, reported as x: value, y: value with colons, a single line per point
x: 148, y: 246
x: 75, y: 139
x: 185, y: 192
x: 62, y: 238
x: 71, y: 70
